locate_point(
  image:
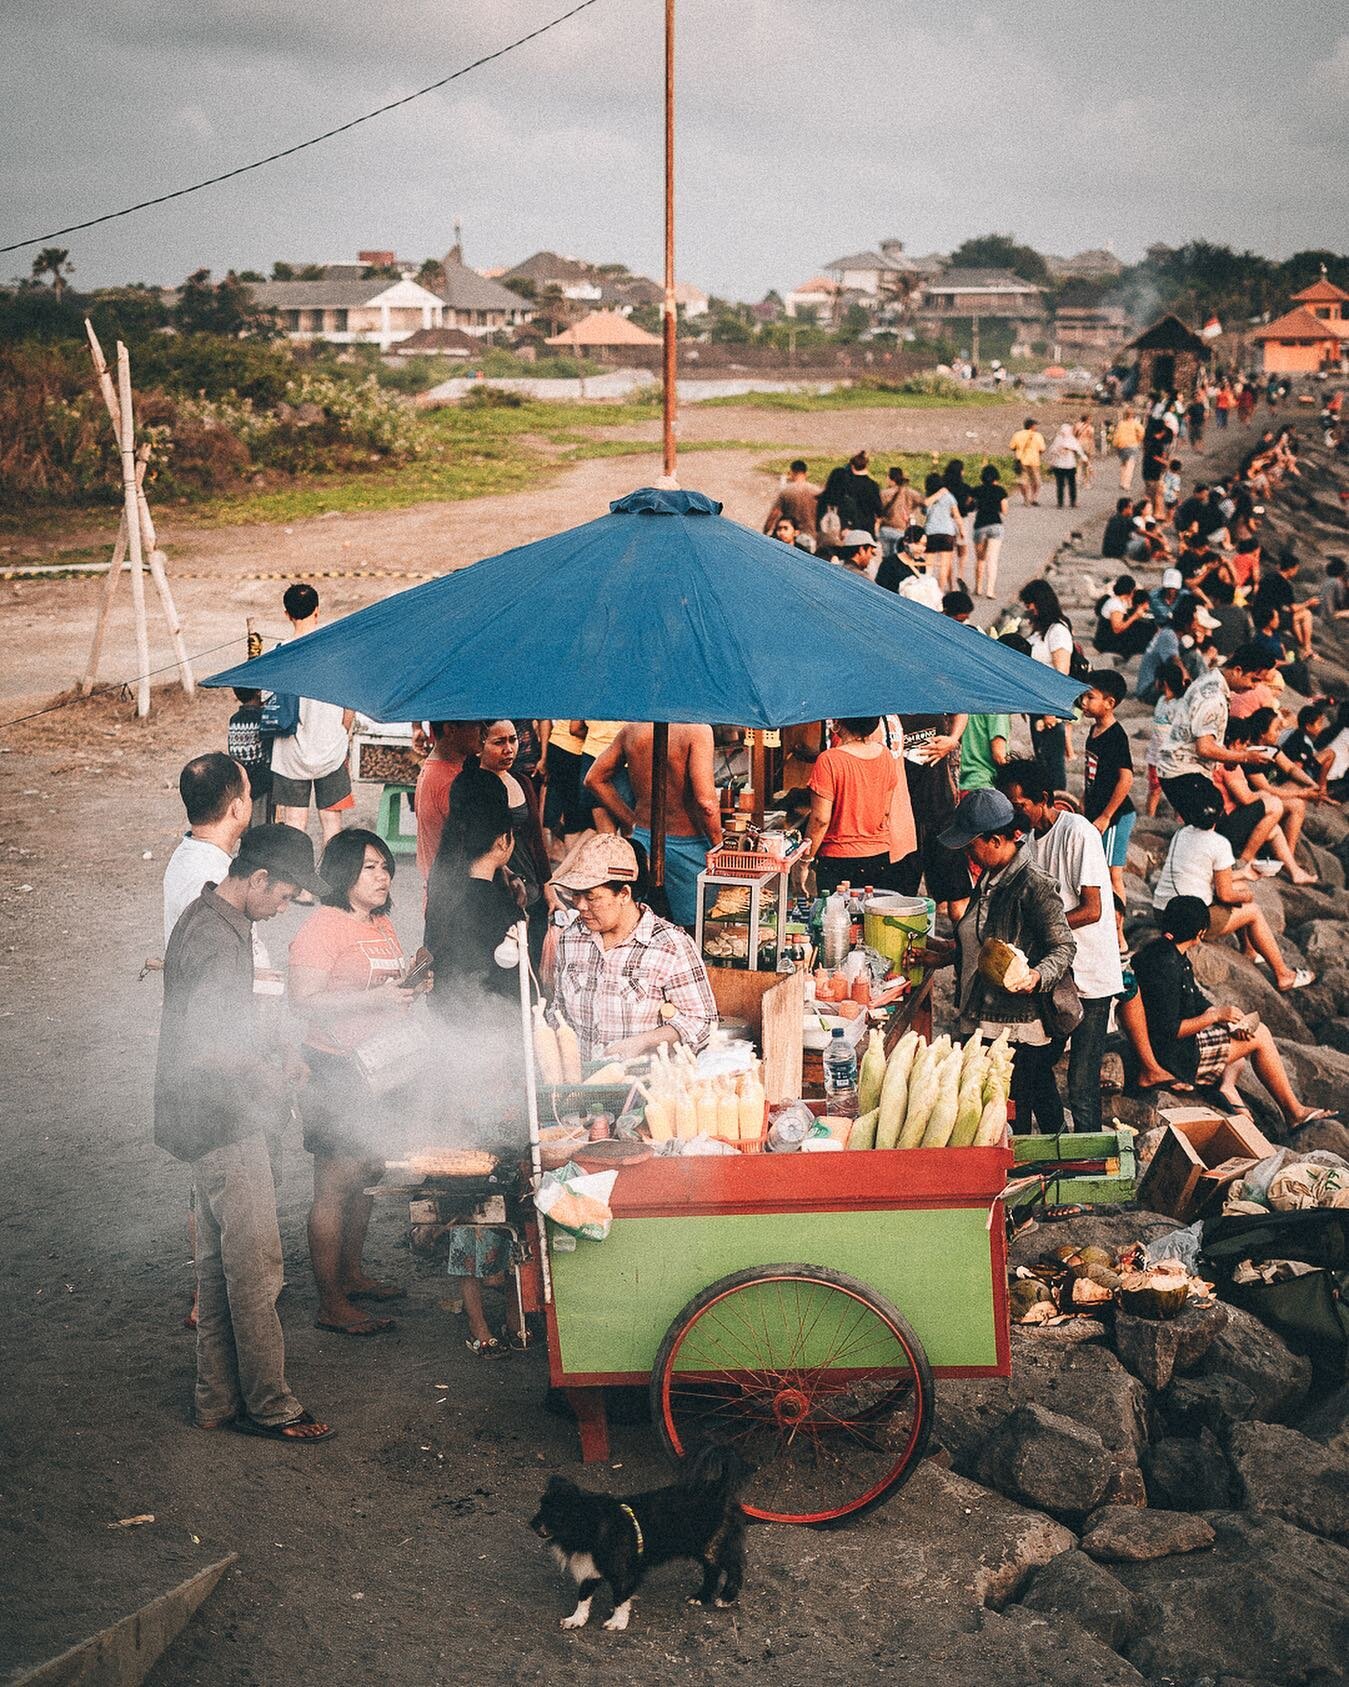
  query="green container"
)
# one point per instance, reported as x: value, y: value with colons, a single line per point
x: 893, y: 924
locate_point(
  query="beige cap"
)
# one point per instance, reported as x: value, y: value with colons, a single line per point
x: 595, y: 861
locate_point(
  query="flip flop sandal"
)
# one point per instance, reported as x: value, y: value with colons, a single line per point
x: 1319, y: 1115
x: 1301, y: 979
x: 489, y: 1349
x: 367, y: 1326
x: 277, y: 1431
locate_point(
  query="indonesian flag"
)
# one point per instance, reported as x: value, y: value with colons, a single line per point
x: 1211, y: 329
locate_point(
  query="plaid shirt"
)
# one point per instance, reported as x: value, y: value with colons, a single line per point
x: 608, y: 994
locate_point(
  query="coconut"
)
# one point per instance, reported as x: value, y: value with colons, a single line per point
x: 1159, y: 1292
x: 1087, y: 1293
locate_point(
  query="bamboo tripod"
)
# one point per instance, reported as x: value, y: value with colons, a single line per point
x: 135, y: 538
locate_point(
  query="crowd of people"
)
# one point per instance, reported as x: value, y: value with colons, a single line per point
x: 544, y: 827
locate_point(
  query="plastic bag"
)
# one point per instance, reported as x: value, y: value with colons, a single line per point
x: 1184, y: 1245
x: 577, y: 1202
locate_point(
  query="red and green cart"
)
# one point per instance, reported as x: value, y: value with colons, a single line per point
x: 795, y: 1306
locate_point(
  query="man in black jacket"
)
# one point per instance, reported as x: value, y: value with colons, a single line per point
x: 219, y: 1089
x: 852, y: 492
x: 1119, y: 529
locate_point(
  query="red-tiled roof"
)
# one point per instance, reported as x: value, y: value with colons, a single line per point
x: 1300, y: 324
x: 1322, y: 292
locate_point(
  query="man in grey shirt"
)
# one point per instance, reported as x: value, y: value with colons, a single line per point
x: 219, y: 1089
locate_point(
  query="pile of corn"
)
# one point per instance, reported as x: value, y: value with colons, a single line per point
x: 933, y: 1095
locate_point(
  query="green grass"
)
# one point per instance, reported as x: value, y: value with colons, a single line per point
x: 472, y: 452
x: 858, y: 396
x: 916, y: 464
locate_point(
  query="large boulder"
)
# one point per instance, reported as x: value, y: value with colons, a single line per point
x: 1266, y: 1606
x: 1328, y: 1421
x: 1152, y: 1348
x: 1302, y: 903
x: 1074, y: 1586
x: 1327, y: 825
x: 1048, y: 1461
x: 946, y: 1520
x: 1324, y: 863
x: 1226, y: 976
x: 1187, y: 1474
x: 1120, y: 1534
x: 1249, y: 1353
x: 1269, y: 900
x: 1191, y: 1405
x: 1320, y: 1075
x: 1291, y: 1476
x: 1323, y: 943
x: 1328, y: 1135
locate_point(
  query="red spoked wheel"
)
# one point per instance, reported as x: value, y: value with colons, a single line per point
x: 813, y: 1378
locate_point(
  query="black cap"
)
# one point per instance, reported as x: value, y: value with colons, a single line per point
x: 283, y: 851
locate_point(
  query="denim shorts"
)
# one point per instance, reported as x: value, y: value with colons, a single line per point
x: 1116, y: 840
x: 982, y: 533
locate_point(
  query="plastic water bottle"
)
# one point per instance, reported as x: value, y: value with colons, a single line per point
x: 836, y: 931
x: 840, y: 1078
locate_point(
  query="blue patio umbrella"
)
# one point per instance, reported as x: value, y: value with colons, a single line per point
x: 662, y: 610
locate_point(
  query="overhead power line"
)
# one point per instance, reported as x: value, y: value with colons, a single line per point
x: 301, y: 146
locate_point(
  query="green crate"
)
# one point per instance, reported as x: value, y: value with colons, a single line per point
x: 1117, y: 1182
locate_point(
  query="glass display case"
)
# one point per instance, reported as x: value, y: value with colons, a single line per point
x: 742, y: 922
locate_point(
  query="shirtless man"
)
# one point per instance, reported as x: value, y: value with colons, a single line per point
x: 693, y: 812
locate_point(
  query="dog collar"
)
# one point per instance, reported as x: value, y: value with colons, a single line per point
x: 631, y: 1516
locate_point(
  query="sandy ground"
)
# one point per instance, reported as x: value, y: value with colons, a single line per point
x: 398, y: 1550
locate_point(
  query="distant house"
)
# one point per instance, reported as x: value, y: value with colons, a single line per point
x: 1092, y: 331
x: 817, y: 296
x: 1098, y: 263
x: 878, y: 275
x: 1314, y: 335
x: 476, y: 304
x: 439, y: 342
x: 1169, y: 356
x: 958, y: 296
x: 605, y: 332
x: 573, y: 277
x: 690, y: 301
x: 378, y: 311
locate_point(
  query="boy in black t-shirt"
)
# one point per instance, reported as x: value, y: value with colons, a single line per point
x: 1110, y: 775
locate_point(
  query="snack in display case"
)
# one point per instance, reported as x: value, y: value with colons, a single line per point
x: 742, y: 922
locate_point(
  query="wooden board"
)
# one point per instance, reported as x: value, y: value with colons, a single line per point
x: 783, y: 1006
x: 1171, y: 1181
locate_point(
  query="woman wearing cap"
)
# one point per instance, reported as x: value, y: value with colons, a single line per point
x: 1014, y: 902
x: 626, y: 980
x: 1198, y: 1041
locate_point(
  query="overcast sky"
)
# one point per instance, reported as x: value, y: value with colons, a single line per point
x: 807, y: 129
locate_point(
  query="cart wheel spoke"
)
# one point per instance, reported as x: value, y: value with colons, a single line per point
x: 812, y: 1376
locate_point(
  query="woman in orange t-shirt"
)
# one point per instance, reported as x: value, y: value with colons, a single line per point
x: 861, y: 823
x: 346, y: 964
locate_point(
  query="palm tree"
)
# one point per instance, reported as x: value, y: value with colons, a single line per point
x: 53, y: 261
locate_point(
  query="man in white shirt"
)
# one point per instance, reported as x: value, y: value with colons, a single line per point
x: 216, y: 796
x: 1068, y: 849
x: 312, y: 759
x: 1194, y: 740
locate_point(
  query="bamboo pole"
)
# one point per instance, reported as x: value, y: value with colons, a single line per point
x: 105, y: 606
x: 133, y: 530
x: 149, y: 540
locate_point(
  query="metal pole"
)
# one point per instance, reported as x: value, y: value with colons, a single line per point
x: 531, y: 1093
x: 670, y: 311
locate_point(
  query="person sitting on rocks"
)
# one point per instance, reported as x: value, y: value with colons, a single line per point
x: 1203, y: 1043
x: 1200, y: 864
x: 1286, y: 800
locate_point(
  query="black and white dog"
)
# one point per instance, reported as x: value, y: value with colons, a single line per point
x: 599, y: 1539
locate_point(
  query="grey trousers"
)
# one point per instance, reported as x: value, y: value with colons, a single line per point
x: 241, y: 1359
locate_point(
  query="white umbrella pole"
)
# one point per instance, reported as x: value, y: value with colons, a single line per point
x: 531, y: 1091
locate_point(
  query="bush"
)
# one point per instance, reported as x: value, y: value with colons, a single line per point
x: 483, y: 396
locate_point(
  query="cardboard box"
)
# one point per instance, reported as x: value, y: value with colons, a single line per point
x: 1201, y: 1154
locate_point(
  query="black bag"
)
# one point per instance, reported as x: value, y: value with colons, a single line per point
x: 1310, y: 1312
x: 1061, y: 1008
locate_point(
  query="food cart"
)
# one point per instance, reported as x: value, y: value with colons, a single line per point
x: 796, y: 1305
